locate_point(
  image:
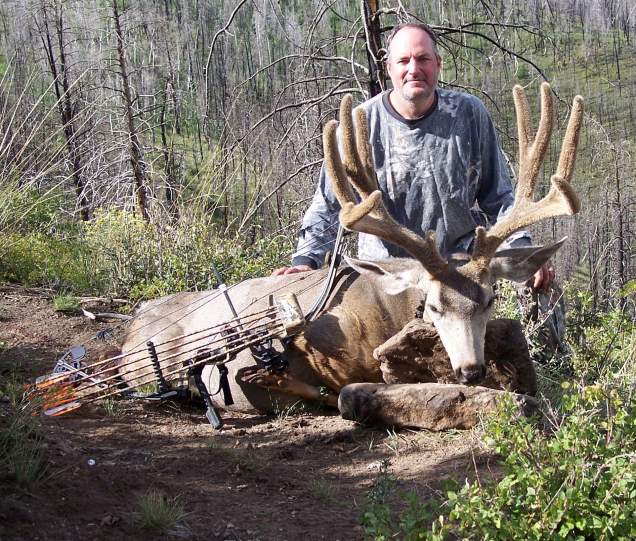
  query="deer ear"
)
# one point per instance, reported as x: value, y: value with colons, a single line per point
x: 519, y: 264
x: 390, y: 281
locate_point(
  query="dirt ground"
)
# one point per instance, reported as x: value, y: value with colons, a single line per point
x: 298, y: 475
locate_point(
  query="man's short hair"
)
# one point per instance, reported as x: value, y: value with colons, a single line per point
x: 420, y: 26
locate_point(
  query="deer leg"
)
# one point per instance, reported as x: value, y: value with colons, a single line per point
x: 286, y: 383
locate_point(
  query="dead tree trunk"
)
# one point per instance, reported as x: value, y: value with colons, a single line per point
x: 67, y: 108
x: 170, y: 166
x: 619, y: 228
x: 377, y: 72
x: 134, y: 147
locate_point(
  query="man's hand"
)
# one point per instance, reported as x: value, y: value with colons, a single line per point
x: 291, y: 270
x: 544, y: 277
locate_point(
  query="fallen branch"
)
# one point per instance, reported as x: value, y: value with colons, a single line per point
x: 104, y: 300
x: 103, y: 316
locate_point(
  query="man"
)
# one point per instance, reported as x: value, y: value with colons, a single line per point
x: 437, y: 160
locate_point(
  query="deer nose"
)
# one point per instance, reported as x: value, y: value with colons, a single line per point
x: 473, y: 374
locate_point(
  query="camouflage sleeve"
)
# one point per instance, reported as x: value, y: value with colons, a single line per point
x: 320, y: 225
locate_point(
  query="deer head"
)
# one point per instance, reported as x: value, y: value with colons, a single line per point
x: 459, y: 295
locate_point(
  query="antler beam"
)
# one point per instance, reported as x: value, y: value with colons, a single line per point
x: 369, y: 215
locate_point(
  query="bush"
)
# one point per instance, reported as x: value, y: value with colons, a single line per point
x: 159, y: 512
x: 117, y: 253
x: 66, y: 304
x: 25, y: 210
x: 575, y: 481
x: 143, y: 260
x: 21, y: 446
x: 603, y: 343
x: 38, y: 259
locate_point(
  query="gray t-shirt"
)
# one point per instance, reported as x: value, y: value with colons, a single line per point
x: 444, y: 172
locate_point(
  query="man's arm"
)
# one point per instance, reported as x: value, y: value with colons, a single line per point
x: 318, y: 231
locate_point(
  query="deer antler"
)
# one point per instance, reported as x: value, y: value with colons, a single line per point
x: 561, y: 199
x: 369, y: 215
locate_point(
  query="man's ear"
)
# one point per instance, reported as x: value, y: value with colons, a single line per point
x: 391, y: 282
x: 520, y: 264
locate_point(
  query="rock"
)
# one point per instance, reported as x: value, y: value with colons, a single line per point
x: 109, y: 520
x: 432, y: 406
x: 416, y: 355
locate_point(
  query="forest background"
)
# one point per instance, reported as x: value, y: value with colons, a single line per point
x: 143, y: 140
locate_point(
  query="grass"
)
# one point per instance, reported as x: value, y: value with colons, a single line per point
x: 112, y: 406
x: 282, y: 414
x: 66, y: 304
x: 245, y: 460
x: 21, y: 449
x: 147, y: 388
x: 395, y: 442
x: 13, y: 388
x: 25, y: 462
x: 158, y: 512
x: 322, y: 490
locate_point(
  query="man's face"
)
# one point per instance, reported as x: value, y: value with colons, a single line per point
x: 413, y: 65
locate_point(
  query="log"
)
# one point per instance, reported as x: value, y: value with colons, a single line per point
x: 432, y: 406
x: 416, y: 355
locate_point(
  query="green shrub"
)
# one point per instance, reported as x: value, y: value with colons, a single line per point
x: 506, y: 303
x: 575, y: 481
x: 66, y: 304
x: 377, y: 517
x: 522, y: 73
x: 27, y: 210
x: 143, y: 260
x: 603, y: 343
x: 117, y: 253
x: 38, y: 259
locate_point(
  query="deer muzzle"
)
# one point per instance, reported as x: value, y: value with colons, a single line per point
x: 471, y: 374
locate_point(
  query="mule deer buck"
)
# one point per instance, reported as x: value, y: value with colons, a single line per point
x: 372, y: 301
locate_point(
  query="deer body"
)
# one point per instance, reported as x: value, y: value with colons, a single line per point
x: 370, y: 303
x: 332, y: 351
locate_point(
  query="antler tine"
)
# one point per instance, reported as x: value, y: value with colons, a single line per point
x: 531, y: 154
x: 565, y: 169
x: 364, y: 149
x: 333, y: 163
x: 370, y: 215
x: 561, y: 199
x: 357, y: 156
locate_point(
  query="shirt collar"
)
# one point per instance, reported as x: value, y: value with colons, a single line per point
x: 408, y: 121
